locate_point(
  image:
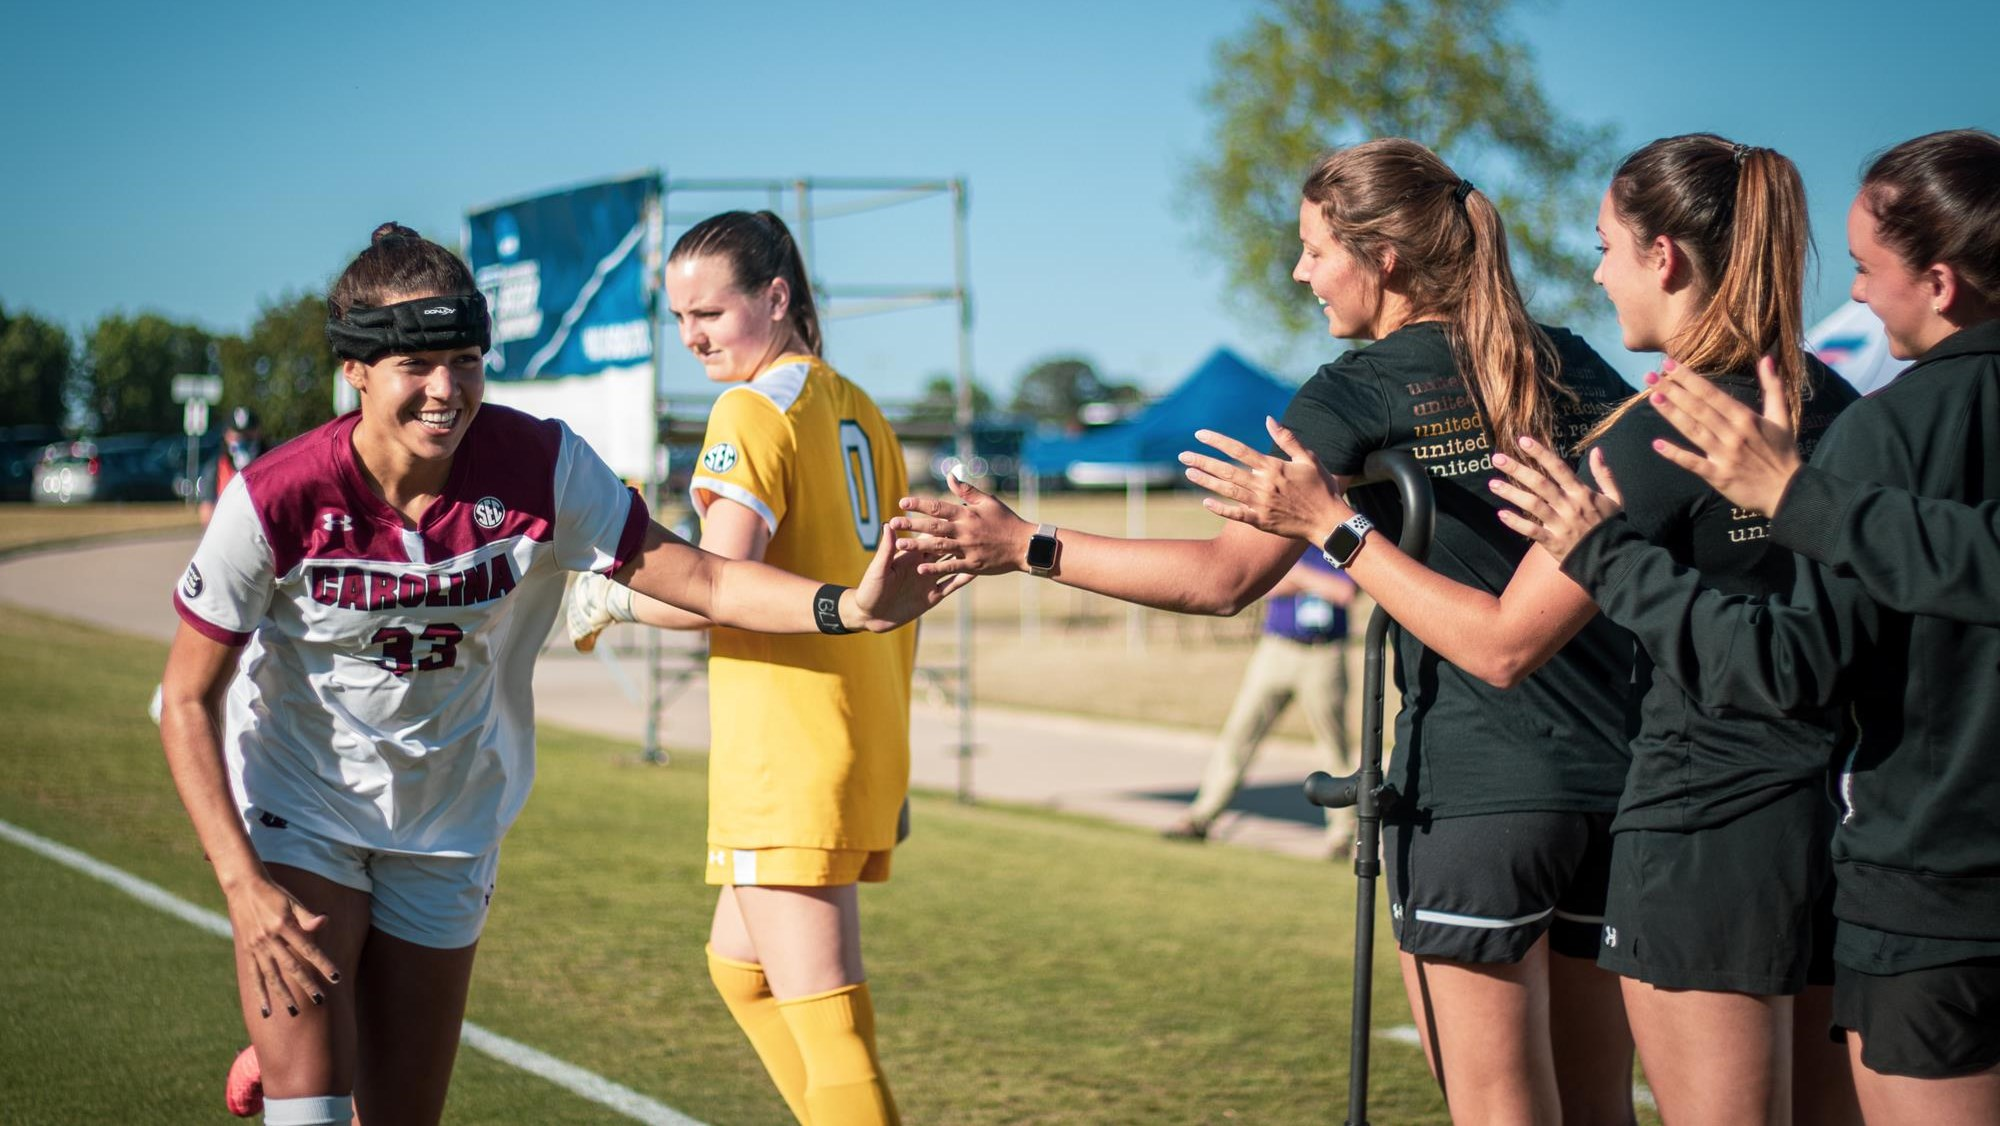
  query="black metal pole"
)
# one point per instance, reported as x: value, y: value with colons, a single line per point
x: 1363, y: 788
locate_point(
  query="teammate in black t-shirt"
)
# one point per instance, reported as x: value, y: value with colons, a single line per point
x: 1891, y: 615
x: 1705, y: 246
x: 1505, y: 796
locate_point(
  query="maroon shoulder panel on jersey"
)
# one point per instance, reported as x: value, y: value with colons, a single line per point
x: 503, y: 484
x: 304, y: 495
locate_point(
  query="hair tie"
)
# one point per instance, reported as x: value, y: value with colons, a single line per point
x: 1738, y: 152
x: 1464, y: 188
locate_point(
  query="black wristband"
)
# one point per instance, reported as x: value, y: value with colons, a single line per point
x: 826, y: 609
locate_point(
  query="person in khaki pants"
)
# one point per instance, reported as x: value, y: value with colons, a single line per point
x: 1302, y: 656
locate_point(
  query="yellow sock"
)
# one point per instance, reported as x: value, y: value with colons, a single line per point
x: 748, y: 996
x: 835, y: 1033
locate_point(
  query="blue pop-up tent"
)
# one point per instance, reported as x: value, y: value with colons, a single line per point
x: 1226, y: 393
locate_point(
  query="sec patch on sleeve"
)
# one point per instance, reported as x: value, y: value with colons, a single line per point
x: 719, y: 458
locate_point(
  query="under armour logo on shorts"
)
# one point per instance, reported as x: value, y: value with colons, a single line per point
x: 1611, y: 936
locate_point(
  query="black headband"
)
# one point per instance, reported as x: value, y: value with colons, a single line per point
x: 428, y: 324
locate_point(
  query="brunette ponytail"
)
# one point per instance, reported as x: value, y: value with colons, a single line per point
x: 1395, y: 197
x: 1738, y: 215
x: 1509, y: 357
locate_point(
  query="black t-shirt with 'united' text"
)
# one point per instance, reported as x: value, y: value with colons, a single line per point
x: 1557, y: 741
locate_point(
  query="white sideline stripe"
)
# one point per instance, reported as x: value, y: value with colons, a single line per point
x: 1481, y: 922
x: 1407, y: 1034
x: 571, y: 1078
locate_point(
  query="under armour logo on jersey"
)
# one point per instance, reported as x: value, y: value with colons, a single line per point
x: 336, y: 521
x: 489, y: 512
x: 191, y: 583
x: 1611, y: 936
x: 272, y: 820
x: 720, y: 458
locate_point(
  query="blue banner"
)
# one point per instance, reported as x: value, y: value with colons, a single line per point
x: 566, y: 276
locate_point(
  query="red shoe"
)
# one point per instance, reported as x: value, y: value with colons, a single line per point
x: 244, y: 1091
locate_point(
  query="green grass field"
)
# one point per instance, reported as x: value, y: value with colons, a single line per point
x: 24, y: 526
x: 1028, y: 968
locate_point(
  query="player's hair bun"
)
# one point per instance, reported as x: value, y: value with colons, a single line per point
x: 389, y: 230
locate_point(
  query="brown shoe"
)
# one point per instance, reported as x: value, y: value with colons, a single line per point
x: 1186, y: 830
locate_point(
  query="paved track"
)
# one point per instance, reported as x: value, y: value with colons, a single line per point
x: 1126, y: 772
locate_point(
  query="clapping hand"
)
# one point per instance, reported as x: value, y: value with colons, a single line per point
x: 1556, y: 508
x: 1747, y: 456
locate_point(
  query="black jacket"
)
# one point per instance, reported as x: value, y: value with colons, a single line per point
x: 1895, y: 609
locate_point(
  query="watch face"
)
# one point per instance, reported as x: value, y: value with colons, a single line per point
x: 1041, y: 552
x: 1342, y: 544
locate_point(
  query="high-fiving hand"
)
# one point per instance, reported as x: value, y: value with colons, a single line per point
x: 1291, y: 496
x: 975, y: 535
x: 896, y: 590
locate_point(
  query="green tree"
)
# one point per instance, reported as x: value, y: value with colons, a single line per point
x: 940, y: 401
x: 1055, y: 391
x: 129, y: 364
x: 36, y: 363
x: 1309, y: 75
x: 283, y: 368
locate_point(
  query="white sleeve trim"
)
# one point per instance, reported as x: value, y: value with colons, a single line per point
x: 734, y: 492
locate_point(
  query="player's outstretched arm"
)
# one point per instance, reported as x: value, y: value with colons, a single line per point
x: 976, y: 534
x: 267, y: 924
x: 764, y: 599
x: 1499, y: 639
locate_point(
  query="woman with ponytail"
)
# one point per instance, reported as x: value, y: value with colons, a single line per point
x: 1498, y: 850
x: 1704, y: 254
x: 809, y: 754
x: 1890, y: 615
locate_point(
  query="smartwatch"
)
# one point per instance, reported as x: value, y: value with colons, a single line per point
x: 1345, y: 543
x: 1042, y: 550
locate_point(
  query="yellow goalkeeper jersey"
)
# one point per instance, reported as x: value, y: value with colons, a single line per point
x: 810, y: 739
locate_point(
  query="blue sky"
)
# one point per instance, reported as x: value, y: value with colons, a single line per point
x: 196, y: 159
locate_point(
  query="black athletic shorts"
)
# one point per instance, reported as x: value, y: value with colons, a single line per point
x: 1482, y: 889
x: 1929, y: 1024
x: 1742, y: 907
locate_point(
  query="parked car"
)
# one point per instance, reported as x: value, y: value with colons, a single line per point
x: 20, y: 447
x: 119, y: 467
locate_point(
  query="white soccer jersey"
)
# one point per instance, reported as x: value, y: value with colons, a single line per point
x: 385, y: 694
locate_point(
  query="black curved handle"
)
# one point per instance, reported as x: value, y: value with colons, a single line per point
x: 1413, y: 487
x: 1323, y: 789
